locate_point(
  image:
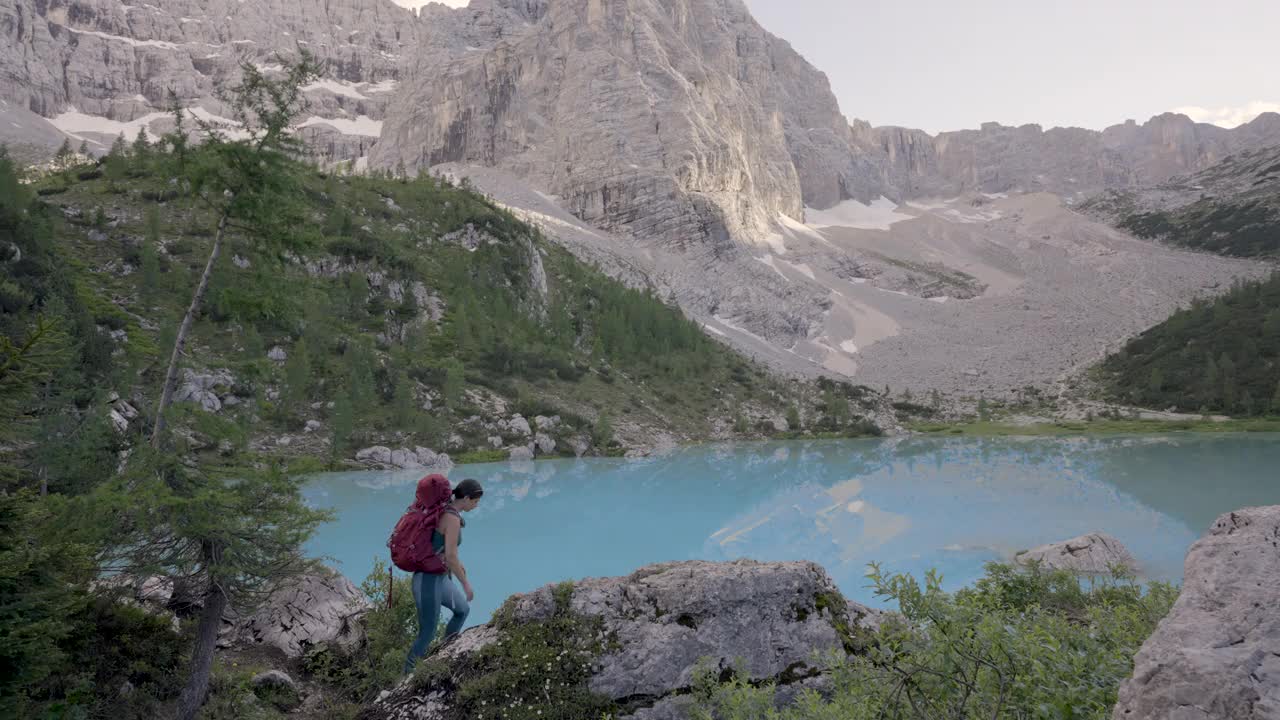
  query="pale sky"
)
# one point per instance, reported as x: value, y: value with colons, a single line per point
x: 953, y: 64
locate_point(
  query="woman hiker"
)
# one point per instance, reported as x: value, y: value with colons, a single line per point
x: 433, y: 590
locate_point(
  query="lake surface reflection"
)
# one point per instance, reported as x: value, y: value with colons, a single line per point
x: 910, y: 504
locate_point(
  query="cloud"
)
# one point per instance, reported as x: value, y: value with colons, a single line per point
x: 415, y: 4
x: 1229, y: 117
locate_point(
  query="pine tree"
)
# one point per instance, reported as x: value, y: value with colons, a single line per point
x: 404, y: 403
x: 1227, y: 368
x: 297, y: 373
x: 454, y: 378
x: 837, y: 409
x: 177, y: 138
x: 1275, y: 400
x: 141, y: 150
x: 360, y: 366
x: 63, y: 157
x: 150, y: 258
x: 150, y: 261
x: 254, y: 348
x: 793, y: 418
x: 1271, y: 326
x: 84, y: 148
x: 984, y: 410
x: 117, y: 164
x: 357, y: 295
x: 236, y: 535
x: 602, y: 432
x: 935, y: 399
x: 1155, y: 383
x: 1211, y: 389
x: 342, y: 424
x: 244, y: 534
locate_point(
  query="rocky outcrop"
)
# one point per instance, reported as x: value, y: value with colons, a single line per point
x: 209, y: 390
x: 1216, y: 656
x: 670, y: 621
x: 311, y: 610
x: 1093, y: 554
x: 383, y: 457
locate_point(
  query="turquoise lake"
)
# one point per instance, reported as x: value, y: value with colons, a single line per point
x: 910, y: 504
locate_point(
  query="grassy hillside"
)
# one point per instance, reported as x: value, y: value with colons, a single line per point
x: 406, y: 313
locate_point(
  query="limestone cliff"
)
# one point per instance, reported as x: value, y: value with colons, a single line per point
x: 679, y: 121
x: 96, y: 68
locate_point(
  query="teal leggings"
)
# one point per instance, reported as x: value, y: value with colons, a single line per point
x: 430, y: 593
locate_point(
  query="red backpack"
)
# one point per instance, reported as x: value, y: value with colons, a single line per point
x: 410, y: 542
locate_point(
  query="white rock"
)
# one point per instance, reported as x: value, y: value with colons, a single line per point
x: 431, y: 459
x: 495, y: 441
x: 519, y: 426
x: 277, y: 354
x: 402, y: 458
x: 308, y: 611
x: 520, y: 454
x: 378, y: 454
x: 1093, y: 554
x: 313, y: 425
x: 545, y: 444
x: 203, y: 388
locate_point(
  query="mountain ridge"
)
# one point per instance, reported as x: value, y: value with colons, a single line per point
x: 690, y: 145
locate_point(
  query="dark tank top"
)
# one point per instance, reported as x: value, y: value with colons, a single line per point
x: 437, y: 537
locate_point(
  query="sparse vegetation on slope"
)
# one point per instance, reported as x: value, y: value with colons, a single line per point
x: 1232, y: 208
x: 408, y: 307
x: 1220, y: 355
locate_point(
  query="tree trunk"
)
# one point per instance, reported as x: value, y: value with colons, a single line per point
x: 166, y: 391
x: 215, y: 603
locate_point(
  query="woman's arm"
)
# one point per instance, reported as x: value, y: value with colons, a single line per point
x: 449, y: 525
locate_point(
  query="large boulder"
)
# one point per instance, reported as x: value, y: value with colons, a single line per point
x: 1216, y: 656
x: 518, y: 425
x: 310, y: 610
x: 1093, y: 554
x: 545, y: 444
x: 667, y: 623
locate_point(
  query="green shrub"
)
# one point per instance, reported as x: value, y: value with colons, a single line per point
x: 1019, y: 644
x: 536, y: 670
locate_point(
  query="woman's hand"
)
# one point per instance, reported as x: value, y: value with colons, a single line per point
x: 466, y: 588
